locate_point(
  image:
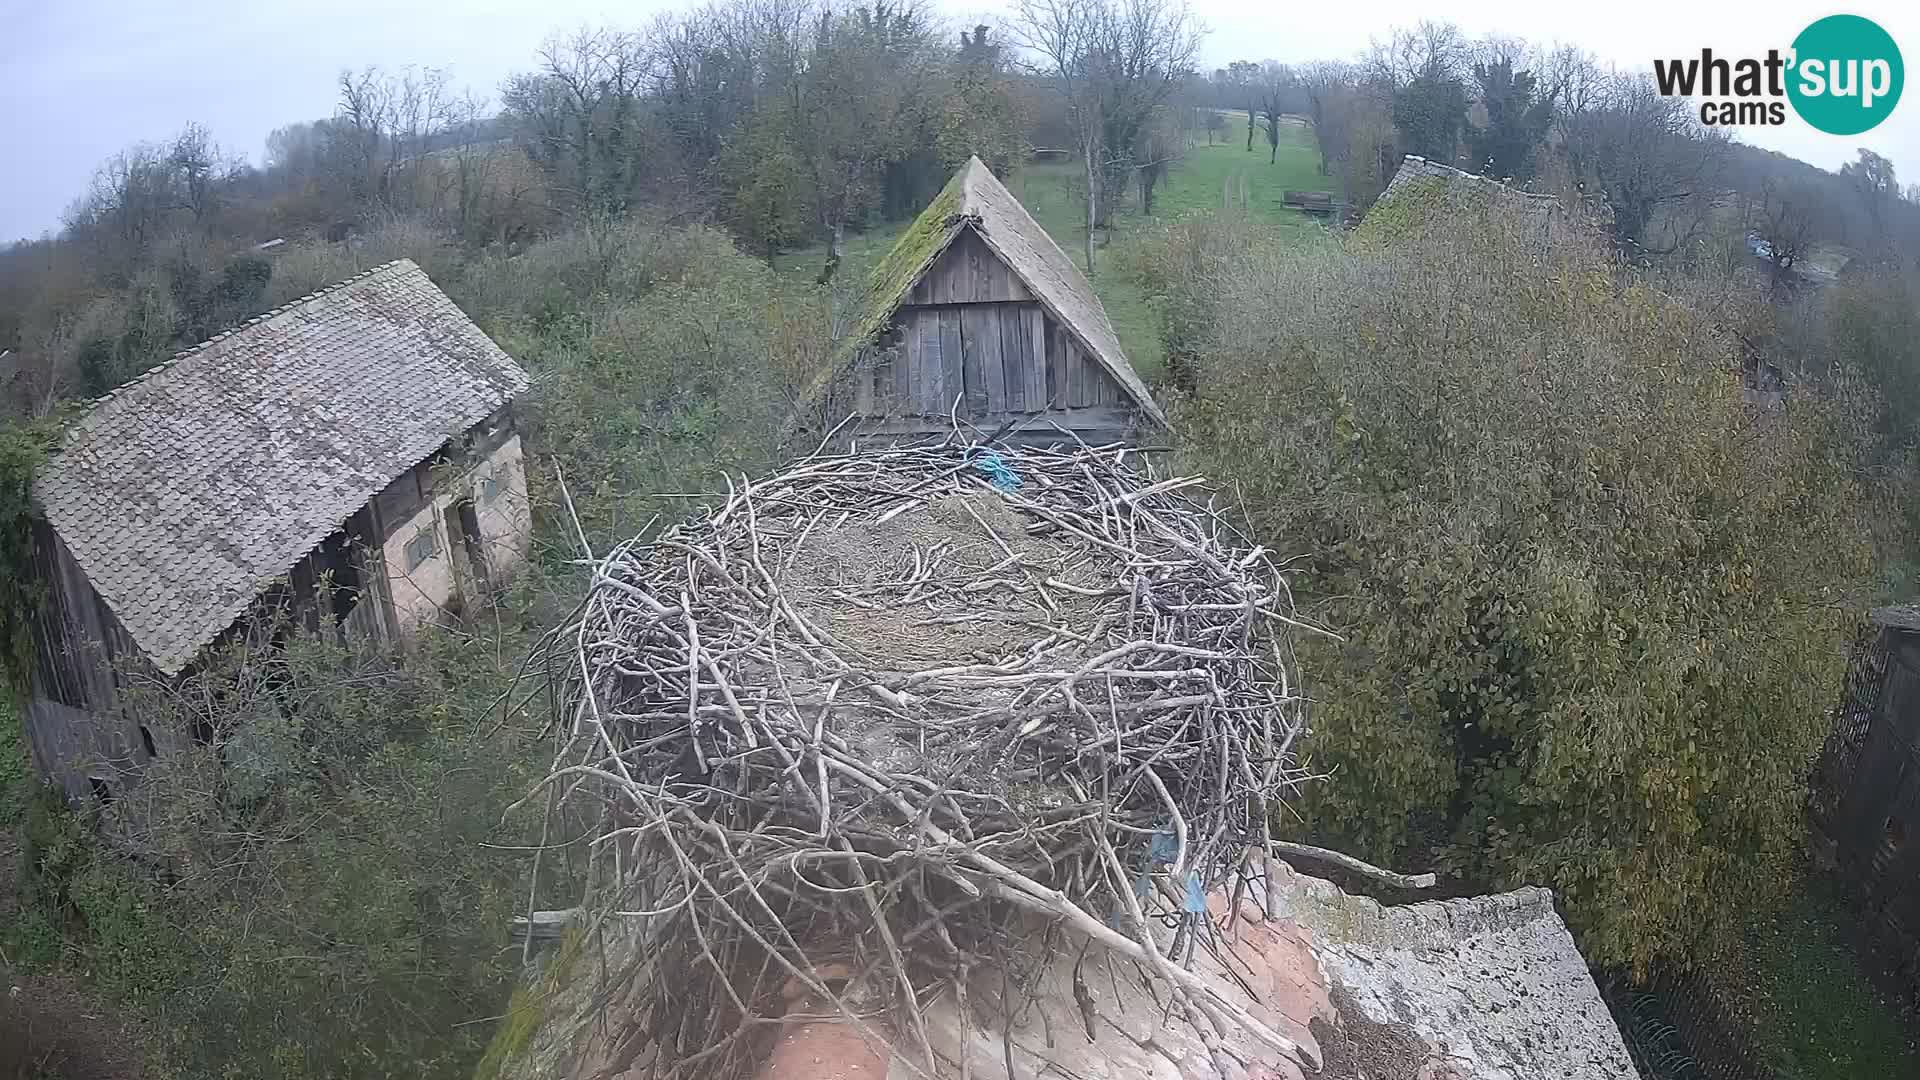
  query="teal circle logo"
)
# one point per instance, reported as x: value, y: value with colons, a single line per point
x: 1846, y: 74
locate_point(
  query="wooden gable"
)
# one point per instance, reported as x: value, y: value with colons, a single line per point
x: 971, y: 329
x: 968, y: 272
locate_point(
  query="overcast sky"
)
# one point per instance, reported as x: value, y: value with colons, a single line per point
x: 80, y: 79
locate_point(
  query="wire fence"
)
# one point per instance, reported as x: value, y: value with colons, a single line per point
x: 1676, y: 1029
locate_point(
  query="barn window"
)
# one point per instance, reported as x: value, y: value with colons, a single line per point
x: 489, y: 488
x: 102, y: 791
x: 146, y: 741
x: 424, y: 545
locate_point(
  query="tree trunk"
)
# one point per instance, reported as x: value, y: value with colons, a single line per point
x: 1249, y: 131
x: 1093, y: 196
x: 836, y: 247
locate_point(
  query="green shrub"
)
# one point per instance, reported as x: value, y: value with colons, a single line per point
x: 23, y: 446
x: 1591, y: 605
x: 332, y: 909
x: 691, y: 367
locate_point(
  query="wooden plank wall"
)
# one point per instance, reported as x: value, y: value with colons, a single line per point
x: 971, y: 333
x: 1000, y: 358
x: 73, y: 723
x: 969, y: 273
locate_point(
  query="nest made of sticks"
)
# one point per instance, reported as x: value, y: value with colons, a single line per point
x: 852, y: 730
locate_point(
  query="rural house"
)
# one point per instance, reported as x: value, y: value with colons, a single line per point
x: 354, y: 450
x: 977, y: 316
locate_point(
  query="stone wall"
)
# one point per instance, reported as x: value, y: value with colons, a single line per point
x: 497, y: 485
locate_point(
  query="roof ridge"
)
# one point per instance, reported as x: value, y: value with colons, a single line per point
x: 1461, y: 173
x: 193, y: 350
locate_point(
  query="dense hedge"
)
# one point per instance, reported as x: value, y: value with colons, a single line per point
x: 1592, y: 606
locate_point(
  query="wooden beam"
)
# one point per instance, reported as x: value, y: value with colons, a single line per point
x: 990, y: 275
x: 1014, y: 359
x: 923, y: 382
x: 1032, y: 331
x: 952, y: 379
x: 864, y: 372
x: 1075, y: 379
x: 973, y: 325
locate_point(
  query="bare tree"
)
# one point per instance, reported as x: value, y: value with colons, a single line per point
x: 1781, y: 230
x: 1574, y: 81
x: 466, y: 122
x: 582, y: 109
x: 1115, y: 64
x: 1240, y: 78
x: 1277, y: 87
x: 128, y: 206
x: 1429, y: 51
x: 201, y: 167
x: 1215, y: 123
x: 1353, y: 124
x: 1648, y: 156
x: 1872, y: 179
x: 850, y: 109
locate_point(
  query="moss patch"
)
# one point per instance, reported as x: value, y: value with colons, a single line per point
x: 527, y: 1009
x: 1405, y: 214
x: 911, y: 254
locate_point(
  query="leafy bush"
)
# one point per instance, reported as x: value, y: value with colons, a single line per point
x: 23, y: 446
x: 1591, y: 604
x: 685, y: 364
x: 332, y: 911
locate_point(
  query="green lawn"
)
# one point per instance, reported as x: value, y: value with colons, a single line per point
x: 1221, y: 176
x: 1224, y: 174
x: 1796, y: 988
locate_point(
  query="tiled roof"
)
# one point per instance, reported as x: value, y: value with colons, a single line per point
x: 1414, y: 168
x: 185, y: 493
x: 985, y: 205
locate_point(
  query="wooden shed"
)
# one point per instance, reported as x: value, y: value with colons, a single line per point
x: 351, y: 457
x: 1865, y: 801
x: 978, y: 317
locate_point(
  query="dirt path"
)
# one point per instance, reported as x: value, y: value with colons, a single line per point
x: 51, y: 1028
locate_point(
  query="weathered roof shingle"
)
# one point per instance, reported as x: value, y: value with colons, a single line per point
x: 1414, y: 169
x: 185, y: 493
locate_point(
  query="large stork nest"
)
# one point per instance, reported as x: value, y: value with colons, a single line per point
x: 880, y: 720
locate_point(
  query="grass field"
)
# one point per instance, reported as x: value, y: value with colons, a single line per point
x: 1221, y: 176
x: 1800, y: 997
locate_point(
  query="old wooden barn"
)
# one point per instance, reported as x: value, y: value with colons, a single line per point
x: 977, y: 316
x: 353, y: 451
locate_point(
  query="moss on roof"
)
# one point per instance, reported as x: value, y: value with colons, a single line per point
x: 528, y: 1009
x: 917, y: 247
x: 1407, y: 211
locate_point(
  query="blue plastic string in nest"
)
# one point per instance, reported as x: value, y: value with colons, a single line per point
x: 997, y: 471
